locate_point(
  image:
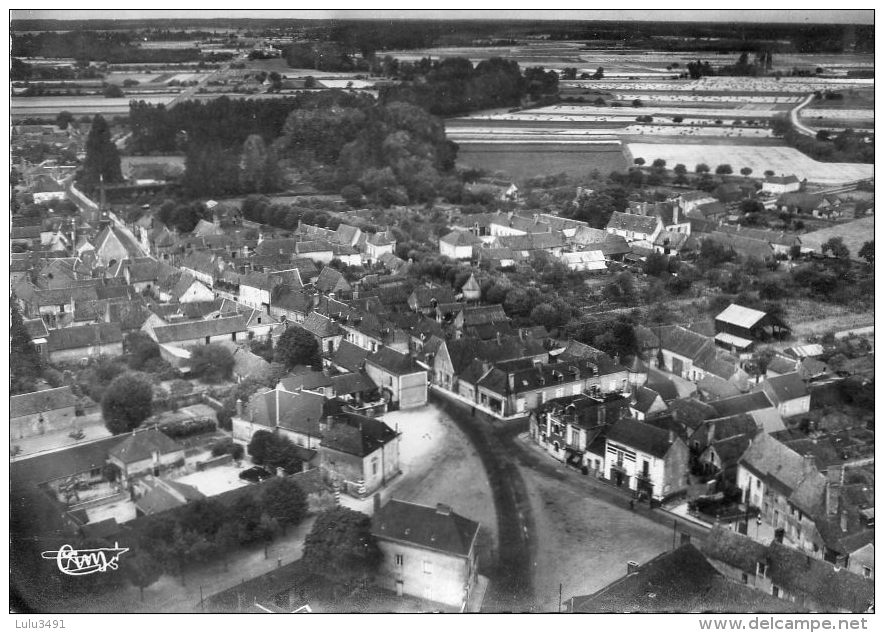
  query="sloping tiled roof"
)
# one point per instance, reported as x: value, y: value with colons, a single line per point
x: 740, y: 316
x: 682, y: 341
x: 321, y: 326
x: 480, y: 315
x: 300, y: 412
x: 632, y: 222
x: 741, y: 404
x: 84, y: 336
x: 329, y: 279
x: 436, y: 528
x: 640, y: 436
x: 357, y: 434
x: 350, y: 356
x: 793, y: 571
x: 787, y: 387
x: 460, y: 238
x: 41, y: 401
x: 352, y: 383
x: 305, y: 379
x: 393, y: 362
x: 141, y: 445
x: 36, y: 328
x: 785, y: 469
x: 200, y: 329
x: 679, y: 581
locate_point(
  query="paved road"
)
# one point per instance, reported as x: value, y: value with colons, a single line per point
x: 511, y: 578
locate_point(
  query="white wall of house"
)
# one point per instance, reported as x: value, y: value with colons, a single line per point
x: 196, y: 292
x: 424, y: 573
x: 455, y: 252
x: 92, y: 351
x: 254, y: 297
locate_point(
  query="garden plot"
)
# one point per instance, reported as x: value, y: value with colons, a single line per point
x: 833, y: 113
x: 214, y: 481
x: 854, y: 234
x: 44, y: 106
x: 707, y: 98
x: 782, y: 160
x: 784, y: 84
x: 588, y: 110
x: 357, y: 84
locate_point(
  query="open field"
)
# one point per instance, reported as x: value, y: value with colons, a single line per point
x: 854, y: 234
x: 521, y: 161
x: 51, y: 106
x: 782, y: 160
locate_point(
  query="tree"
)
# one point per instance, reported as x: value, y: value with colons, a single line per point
x: 836, y: 246
x: 599, y: 73
x: 285, y: 501
x: 297, y: 346
x: 113, y: 91
x: 701, y: 168
x: 102, y: 157
x: 659, y: 164
x: 867, y: 252
x: 746, y: 171
x: 639, y: 161
x: 724, y: 169
x: 769, y: 173
x: 141, y: 570
x: 757, y: 364
x: 259, y: 170
x: 126, y: 403
x: 64, y: 119
x: 26, y: 365
x: 352, y: 195
x: 259, y: 446
x: 141, y: 349
x: 341, y: 543
x: 212, y: 363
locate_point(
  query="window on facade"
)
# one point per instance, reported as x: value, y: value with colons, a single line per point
x: 745, y: 579
x: 399, y: 560
x: 775, y: 591
x: 374, y: 467
x: 867, y: 571
x: 428, y: 567
x: 761, y: 570
x: 646, y: 468
x: 758, y: 483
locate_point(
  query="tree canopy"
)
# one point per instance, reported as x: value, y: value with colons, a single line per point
x: 341, y: 544
x: 297, y: 346
x: 126, y: 403
x: 102, y: 157
x: 212, y: 363
x: 27, y: 365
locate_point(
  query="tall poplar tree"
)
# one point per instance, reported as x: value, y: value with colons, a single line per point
x: 102, y: 157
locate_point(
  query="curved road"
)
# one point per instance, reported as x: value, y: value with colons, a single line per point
x: 796, y: 123
x: 502, y: 453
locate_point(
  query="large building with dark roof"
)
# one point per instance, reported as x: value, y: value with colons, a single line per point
x: 401, y: 380
x: 428, y: 552
x: 359, y: 453
x: 646, y: 458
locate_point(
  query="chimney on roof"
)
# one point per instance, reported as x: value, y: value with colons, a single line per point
x: 443, y: 509
x: 498, y: 337
x: 844, y: 520
x: 239, y: 407
x: 808, y: 463
x: 671, y: 436
x: 835, y: 478
x: 631, y: 567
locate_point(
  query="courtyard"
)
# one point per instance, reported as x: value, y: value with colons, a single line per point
x: 439, y: 465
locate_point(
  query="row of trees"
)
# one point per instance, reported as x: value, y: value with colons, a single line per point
x: 454, y: 86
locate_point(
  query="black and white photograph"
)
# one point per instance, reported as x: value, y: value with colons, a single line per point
x: 425, y: 311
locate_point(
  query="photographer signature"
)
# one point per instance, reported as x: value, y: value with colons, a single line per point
x: 75, y: 562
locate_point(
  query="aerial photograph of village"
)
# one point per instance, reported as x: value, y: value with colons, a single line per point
x: 400, y: 312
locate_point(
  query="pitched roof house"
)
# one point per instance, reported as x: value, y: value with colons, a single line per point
x: 427, y: 552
